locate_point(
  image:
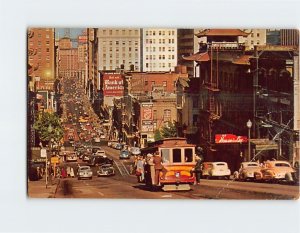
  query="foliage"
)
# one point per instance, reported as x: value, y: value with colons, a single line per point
x: 157, y: 135
x: 169, y: 130
x: 48, y: 126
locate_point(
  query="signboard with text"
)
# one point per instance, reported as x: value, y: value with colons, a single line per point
x: 146, y: 111
x: 229, y: 138
x: 113, y: 85
x: 147, y: 126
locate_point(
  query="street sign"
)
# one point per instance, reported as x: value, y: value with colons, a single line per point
x: 43, y: 153
x: 54, y: 160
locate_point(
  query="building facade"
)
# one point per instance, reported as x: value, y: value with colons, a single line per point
x: 41, y: 55
x: 159, y: 51
x: 289, y: 37
x: 187, y: 44
x: 68, y: 58
x: 119, y: 48
x: 255, y: 37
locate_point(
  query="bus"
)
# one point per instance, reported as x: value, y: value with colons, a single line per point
x: 178, y: 158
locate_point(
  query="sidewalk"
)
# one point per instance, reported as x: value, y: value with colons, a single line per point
x: 37, y: 189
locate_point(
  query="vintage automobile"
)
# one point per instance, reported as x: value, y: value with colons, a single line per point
x: 135, y: 151
x: 274, y: 171
x: 106, y: 170
x: 97, y: 139
x: 84, y: 172
x: 246, y: 171
x: 71, y: 157
x: 99, y: 160
x: 86, y: 157
x: 215, y: 170
x: 124, y: 154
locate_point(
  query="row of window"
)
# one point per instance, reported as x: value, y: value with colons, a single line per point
x: 160, y: 49
x: 160, y: 41
x: 118, y: 62
x: 117, y: 42
x: 160, y: 57
x: 123, y: 55
x: 39, y: 43
x: 121, y: 32
x: 160, y: 65
x: 123, y: 49
x: 112, y: 68
x: 153, y: 83
x: 160, y: 33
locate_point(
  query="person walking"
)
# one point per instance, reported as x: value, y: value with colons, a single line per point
x: 140, y: 169
x: 158, y: 166
x: 197, y: 169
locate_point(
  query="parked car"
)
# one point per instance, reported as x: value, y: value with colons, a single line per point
x: 124, y: 154
x: 100, y: 153
x: 274, y: 171
x: 84, y: 172
x: 86, y: 157
x: 102, y: 136
x: 246, y: 171
x: 106, y: 170
x: 215, y: 169
x: 135, y: 151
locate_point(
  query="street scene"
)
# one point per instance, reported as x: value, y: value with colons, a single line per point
x: 150, y: 113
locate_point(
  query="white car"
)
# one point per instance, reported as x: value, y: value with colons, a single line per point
x: 102, y: 136
x: 71, y: 157
x: 247, y: 171
x: 215, y: 169
x: 97, y: 139
x: 84, y: 172
x: 100, y: 153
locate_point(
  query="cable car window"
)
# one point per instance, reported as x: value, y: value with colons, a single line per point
x: 165, y: 155
x: 177, y: 156
x: 188, y: 155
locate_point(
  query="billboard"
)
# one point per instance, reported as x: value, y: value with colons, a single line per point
x: 113, y: 85
x: 147, y: 126
x: 146, y: 111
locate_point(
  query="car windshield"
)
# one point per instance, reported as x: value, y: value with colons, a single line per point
x: 84, y: 168
x: 220, y: 164
x: 125, y: 152
x: 282, y: 165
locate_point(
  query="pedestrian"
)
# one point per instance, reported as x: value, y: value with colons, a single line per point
x: 63, y: 173
x: 197, y: 169
x: 72, y: 172
x: 140, y: 169
x: 158, y: 166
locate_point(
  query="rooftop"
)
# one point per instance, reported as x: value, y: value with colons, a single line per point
x: 221, y: 32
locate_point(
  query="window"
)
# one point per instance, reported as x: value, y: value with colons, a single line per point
x: 39, y: 35
x: 164, y: 83
x: 110, y: 32
x: 110, y: 43
x: 257, y: 34
x: 147, y: 65
x: 146, y: 83
x: 47, y: 42
x: 153, y: 83
x: 47, y: 36
x: 165, y: 155
x: 188, y: 155
x: 47, y: 50
x: 167, y: 115
x: 169, y: 65
x: 155, y: 114
x: 176, y: 155
x: 117, y: 42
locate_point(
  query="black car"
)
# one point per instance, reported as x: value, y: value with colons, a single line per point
x: 99, y: 160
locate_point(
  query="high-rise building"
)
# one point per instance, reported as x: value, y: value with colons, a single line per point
x: 159, y: 49
x: 187, y: 44
x: 273, y: 36
x: 255, y: 37
x: 119, y: 48
x: 68, y: 58
x: 82, y: 57
x: 289, y: 37
x: 41, y: 53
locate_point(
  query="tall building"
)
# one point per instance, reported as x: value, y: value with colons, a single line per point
x: 68, y: 58
x: 119, y: 48
x: 273, y: 37
x: 159, y: 49
x: 289, y: 37
x: 255, y: 37
x: 82, y: 57
x: 187, y: 44
x: 41, y: 53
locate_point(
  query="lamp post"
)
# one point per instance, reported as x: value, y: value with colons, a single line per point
x: 249, y: 125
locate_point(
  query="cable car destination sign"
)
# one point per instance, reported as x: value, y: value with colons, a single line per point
x: 230, y: 138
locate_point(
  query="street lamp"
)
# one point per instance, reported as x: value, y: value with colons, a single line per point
x: 249, y: 125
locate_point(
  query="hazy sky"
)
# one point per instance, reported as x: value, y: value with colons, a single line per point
x: 60, y: 32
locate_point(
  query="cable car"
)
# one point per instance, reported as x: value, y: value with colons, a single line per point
x: 178, y: 158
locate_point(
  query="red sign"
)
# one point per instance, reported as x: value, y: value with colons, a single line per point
x: 147, y: 112
x: 230, y: 138
x: 113, y: 85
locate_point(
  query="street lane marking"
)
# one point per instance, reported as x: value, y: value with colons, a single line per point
x: 101, y: 194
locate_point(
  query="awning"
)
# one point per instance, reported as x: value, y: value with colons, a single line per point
x: 264, y: 144
x: 197, y: 57
x: 242, y: 60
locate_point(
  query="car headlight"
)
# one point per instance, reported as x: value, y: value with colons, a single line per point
x: 81, y: 173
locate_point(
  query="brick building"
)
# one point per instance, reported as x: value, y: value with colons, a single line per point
x: 68, y: 58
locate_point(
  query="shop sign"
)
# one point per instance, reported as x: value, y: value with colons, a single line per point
x: 230, y: 138
x: 147, y: 126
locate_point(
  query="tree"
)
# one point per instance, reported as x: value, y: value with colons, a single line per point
x: 48, y: 126
x: 157, y: 135
x: 169, y: 130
